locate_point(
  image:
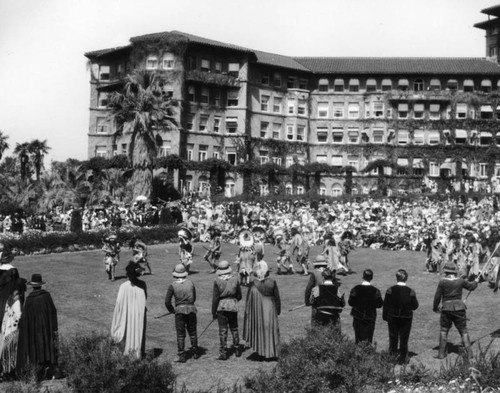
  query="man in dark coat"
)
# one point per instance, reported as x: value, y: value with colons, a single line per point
x: 38, y: 329
x: 364, y: 300
x: 399, y: 303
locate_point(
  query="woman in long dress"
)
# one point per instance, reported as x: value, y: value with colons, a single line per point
x: 263, y: 305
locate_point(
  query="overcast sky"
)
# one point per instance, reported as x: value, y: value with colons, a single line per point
x: 44, y: 82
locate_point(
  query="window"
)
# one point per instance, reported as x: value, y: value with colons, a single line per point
x: 433, y: 137
x: 418, y: 167
x: 231, y: 125
x: 289, y: 132
x: 435, y: 84
x: 263, y: 156
x: 468, y: 85
x: 378, y: 110
x: 418, y: 85
x: 418, y: 111
x: 301, y: 133
x: 205, y: 65
x: 101, y: 151
x: 277, y: 104
x: 303, y: 84
x: 124, y: 148
x: 231, y: 155
x: 292, y: 82
x: 103, y: 99
x: 338, y: 85
x: 485, y: 138
x: 191, y: 94
x: 403, y: 84
x: 483, y: 169
x: 216, y: 153
x: 301, y: 109
x: 371, y: 85
x: 461, y: 111
x: 323, y: 85
x: 205, y: 95
x: 353, y: 110
x: 418, y: 137
x: 217, y: 95
x: 119, y: 70
x: 486, y: 85
x: 321, y: 158
x: 337, y: 135
x: 402, y: 166
x: 434, y: 112
x: 403, y: 137
x: 165, y: 148
x: 452, y: 84
x: 322, y: 134
x: 433, y: 169
x: 323, y: 110
x: 168, y: 61
x: 264, y: 79
x: 353, y: 135
x: 460, y: 137
x: 276, y: 160
x: 233, y: 69
x: 203, y: 123
x: 168, y: 90
x: 486, y: 112
x: 353, y: 161
x: 189, y: 151
x: 104, y: 71
x: 192, y: 63
x: 264, y: 129
x: 232, y: 98
x: 218, y: 66
x: 189, y: 121
x: 217, y: 124
x: 378, y: 136
x: 403, y: 111
x: 289, y: 161
x: 276, y: 80
x: 353, y: 85
x: 102, y: 125
x: 338, y: 110
x: 291, y: 106
x: 276, y: 131
x: 152, y: 63
x: 386, y: 84
x: 115, y: 150
x: 264, y: 103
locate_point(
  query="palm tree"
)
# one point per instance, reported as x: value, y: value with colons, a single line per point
x: 3, y: 143
x: 22, y: 150
x: 38, y: 149
x: 142, y: 110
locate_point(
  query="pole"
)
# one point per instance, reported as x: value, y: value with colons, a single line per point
x: 297, y: 307
x: 204, y: 330
x: 163, y: 315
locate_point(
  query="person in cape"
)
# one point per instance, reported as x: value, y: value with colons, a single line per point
x: 12, y: 289
x: 226, y: 295
x: 263, y: 305
x: 38, y: 330
x: 128, y: 326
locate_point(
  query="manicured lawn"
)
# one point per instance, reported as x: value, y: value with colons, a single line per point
x: 85, y: 301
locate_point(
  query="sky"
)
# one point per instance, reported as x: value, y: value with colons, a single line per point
x: 44, y: 80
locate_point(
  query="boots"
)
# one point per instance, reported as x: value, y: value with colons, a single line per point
x: 443, y: 337
x: 467, y: 344
x: 304, y: 269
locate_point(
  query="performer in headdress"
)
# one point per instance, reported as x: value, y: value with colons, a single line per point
x: 111, y: 251
x: 213, y: 252
x: 471, y: 250
x: 185, y: 248
x: 246, y: 256
x: 140, y: 252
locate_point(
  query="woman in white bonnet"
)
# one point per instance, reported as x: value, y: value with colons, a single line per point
x: 263, y: 305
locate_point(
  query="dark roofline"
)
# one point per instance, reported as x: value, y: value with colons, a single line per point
x: 104, y: 52
x: 487, y: 23
x: 493, y: 10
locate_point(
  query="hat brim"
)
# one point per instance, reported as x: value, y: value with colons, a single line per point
x: 320, y: 264
x: 180, y: 275
x: 227, y: 270
x: 35, y: 284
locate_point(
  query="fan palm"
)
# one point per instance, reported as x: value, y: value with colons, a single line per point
x: 142, y: 110
x: 3, y: 143
x: 22, y: 150
x: 37, y: 150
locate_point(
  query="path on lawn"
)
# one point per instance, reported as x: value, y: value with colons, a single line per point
x: 85, y: 301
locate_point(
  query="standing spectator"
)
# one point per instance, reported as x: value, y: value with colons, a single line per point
x: 226, y: 295
x: 129, y: 318
x: 38, y: 330
x: 184, y: 294
x: 364, y: 300
x: 263, y: 305
x: 399, y: 303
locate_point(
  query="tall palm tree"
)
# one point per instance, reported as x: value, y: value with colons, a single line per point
x: 37, y: 150
x: 22, y: 150
x: 142, y: 110
x: 3, y: 143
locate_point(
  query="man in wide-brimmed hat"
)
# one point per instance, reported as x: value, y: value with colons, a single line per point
x: 449, y: 294
x: 38, y: 330
x: 226, y: 295
x: 182, y: 290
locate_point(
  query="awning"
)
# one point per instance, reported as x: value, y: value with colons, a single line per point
x: 353, y: 82
x: 371, y: 82
x: 353, y: 133
x: 403, y: 161
x: 337, y: 160
x: 418, y: 107
x: 338, y: 82
x: 418, y: 163
x: 435, y: 83
x: 486, y: 134
x: 485, y: 83
x: 434, y: 107
x: 460, y: 134
x: 470, y: 83
x: 386, y: 82
x: 486, y: 108
x: 403, y: 107
x: 403, y: 82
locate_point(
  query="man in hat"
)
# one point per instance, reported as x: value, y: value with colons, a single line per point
x: 399, y: 303
x: 182, y: 290
x: 364, y: 300
x: 315, y: 279
x: 38, y: 330
x: 325, y: 301
x: 226, y: 295
x: 449, y: 294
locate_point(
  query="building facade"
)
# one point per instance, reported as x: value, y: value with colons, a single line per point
x: 422, y: 120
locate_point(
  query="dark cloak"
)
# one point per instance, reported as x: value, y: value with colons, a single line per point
x: 37, y: 331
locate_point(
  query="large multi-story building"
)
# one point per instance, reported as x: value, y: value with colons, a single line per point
x: 419, y: 118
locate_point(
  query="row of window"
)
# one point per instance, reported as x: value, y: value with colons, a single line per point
x: 205, y: 95
x: 278, y: 81
x: 353, y: 85
x: 295, y: 106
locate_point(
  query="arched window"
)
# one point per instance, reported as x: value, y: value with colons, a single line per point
x: 486, y: 85
x: 336, y: 190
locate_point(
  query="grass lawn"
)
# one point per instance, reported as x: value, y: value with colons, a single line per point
x: 85, y: 301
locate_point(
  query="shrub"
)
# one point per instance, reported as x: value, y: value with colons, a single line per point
x: 324, y: 361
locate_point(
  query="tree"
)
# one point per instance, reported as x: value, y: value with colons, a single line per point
x: 37, y: 150
x: 22, y: 150
x: 3, y: 143
x: 142, y: 110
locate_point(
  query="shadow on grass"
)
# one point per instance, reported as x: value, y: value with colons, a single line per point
x: 153, y: 353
